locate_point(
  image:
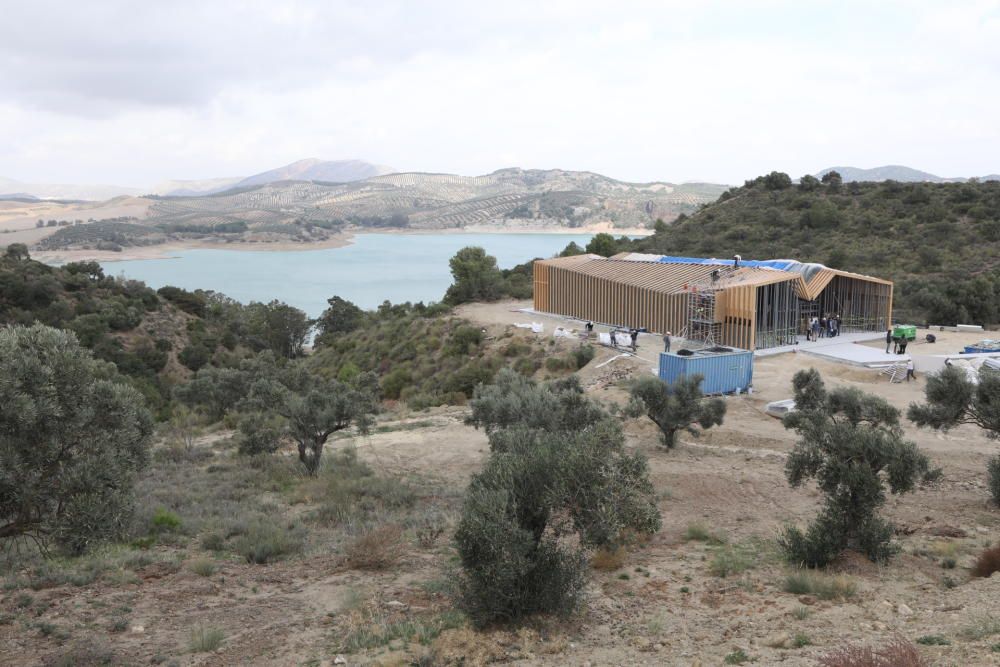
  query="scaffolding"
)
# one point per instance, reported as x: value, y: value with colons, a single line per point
x: 701, y: 328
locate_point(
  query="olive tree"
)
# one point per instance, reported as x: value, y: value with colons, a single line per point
x: 548, y: 493
x: 954, y: 399
x: 313, y: 408
x: 513, y: 399
x: 675, y: 407
x: 851, y: 443
x: 73, y: 437
x: 476, y: 277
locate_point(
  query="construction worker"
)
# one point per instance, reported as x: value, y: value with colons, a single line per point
x: 634, y: 333
x: 614, y: 339
x: 909, y: 370
x: 666, y: 342
x: 888, y: 340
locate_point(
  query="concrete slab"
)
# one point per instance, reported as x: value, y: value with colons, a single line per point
x: 857, y: 355
x: 803, y: 345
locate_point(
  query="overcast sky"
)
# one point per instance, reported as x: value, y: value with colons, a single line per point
x: 132, y: 93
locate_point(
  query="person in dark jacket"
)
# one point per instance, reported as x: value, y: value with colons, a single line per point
x: 888, y: 340
x: 634, y: 333
x: 666, y: 342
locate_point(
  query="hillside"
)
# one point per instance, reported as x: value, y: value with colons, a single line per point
x: 939, y: 242
x: 894, y: 172
x: 313, y: 169
x: 306, y: 211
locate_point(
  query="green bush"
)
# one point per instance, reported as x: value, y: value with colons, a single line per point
x: 463, y: 339
x: 194, y: 356
x: 847, y: 440
x: 993, y: 477
x: 258, y: 434
x: 583, y: 355
x: 164, y: 521
x: 676, y: 407
x: 555, y: 364
x: 73, y: 441
x: 265, y: 541
x: 556, y: 467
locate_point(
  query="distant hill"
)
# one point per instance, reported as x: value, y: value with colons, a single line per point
x: 189, y: 188
x: 939, y: 242
x: 895, y: 172
x: 518, y: 197
x: 66, y: 191
x: 313, y: 169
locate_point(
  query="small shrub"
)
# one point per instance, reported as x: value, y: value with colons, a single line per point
x: 259, y: 434
x: 213, y: 542
x: 993, y: 478
x: 526, y: 366
x: 429, y: 529
x: 165, y: 521
x: 737, y: 657
x: 986, y: 625
x: 897, y: 652
x: 987, y: 563
x: 823, y: 586
x: 732, y: 560
x: 608, y: 558
x: 206, y: 640
x: 583, y: 355
x: 933, y: 640
x: 84, y: 654
x: 801, y: 640
x: 375, y: 549
x: 555, y: 364
x: 698, y: 532
x: 203, y: 567
x: 948, y: 563
x: 119, y: 624
x: 264, y: 542
x: 801, y: 613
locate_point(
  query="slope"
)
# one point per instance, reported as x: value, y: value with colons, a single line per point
x: 939, y: 242
x: 313, y: 169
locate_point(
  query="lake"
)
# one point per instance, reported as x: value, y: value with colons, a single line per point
x: 374, y: 268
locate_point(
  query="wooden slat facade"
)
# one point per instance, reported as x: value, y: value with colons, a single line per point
x: 654, y: 295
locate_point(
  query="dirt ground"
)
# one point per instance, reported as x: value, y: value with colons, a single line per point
x: 665, y: 604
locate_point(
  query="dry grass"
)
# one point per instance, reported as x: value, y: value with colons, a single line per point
x: 376, y: 549
x: 987, y: 563
x: 206, y: 640
x: 608, y: 560
x: 823, y: 586
x: 897, y: 652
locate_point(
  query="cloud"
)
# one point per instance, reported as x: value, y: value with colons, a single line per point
x: 137, y: 92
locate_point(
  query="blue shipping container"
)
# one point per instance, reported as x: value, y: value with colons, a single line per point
x: 723, y: 372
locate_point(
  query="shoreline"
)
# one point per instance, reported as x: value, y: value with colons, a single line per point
x: 346, y: 238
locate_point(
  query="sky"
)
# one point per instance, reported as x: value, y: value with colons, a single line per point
x: 133, y: 93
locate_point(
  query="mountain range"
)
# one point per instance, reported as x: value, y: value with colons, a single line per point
x: 310, y: 169
x: 896, y: 172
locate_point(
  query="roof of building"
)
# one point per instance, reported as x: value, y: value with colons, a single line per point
x: 669, y: 274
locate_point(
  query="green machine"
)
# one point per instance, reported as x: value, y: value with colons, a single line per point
x: 904, y: 332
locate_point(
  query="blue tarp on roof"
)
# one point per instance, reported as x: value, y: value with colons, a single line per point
x: 779, y: 264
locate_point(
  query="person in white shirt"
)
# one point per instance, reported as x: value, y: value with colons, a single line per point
x: 909, y: 370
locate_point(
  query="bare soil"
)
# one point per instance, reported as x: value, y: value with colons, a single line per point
x: 665, y: 605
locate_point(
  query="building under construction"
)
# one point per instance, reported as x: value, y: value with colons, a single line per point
x: 745, y: 304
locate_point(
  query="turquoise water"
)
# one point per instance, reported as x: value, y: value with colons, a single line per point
x: 376, y: 267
